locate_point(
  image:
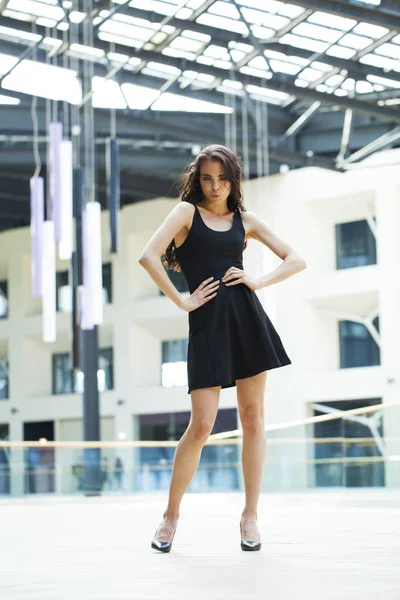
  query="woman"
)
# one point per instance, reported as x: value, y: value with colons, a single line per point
x: 232, y: 342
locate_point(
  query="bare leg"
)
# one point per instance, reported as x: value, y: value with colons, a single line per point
x: 187, y: 455
x: 250, y: 393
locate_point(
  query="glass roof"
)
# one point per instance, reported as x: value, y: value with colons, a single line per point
x: 188, y: 46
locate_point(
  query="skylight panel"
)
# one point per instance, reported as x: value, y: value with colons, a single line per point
x: 263, y: 33
x: 290, y: 10
x: 184, y: 13
x: 205, y: 60
x: 119, y: 39
x: 304, y: 42
x: 269, y: 5
x: 117, y: 57
x: 374, y: 2
x: 85, y: 50
x: 258, y: 62
x: 379, y: 61
x: 17, y: 15
x: 340, y: 92
x: 321, y: 66
x: 355, y: 41
x: 274, y: 54
x: 301, y: 83
x: 316, y: 32
x: 236, y: 55
x: 224, y: 9
x: 35, y: 8
x: 334, y: 80
x: 195, y: 4
x: 311, y: 74
x: 297, y: 60
x: 348, y: 84
x: 45, y: 81
x: 373, y: 31
x: 8, y: 100
x: 341, y: 52
x: 199, y: 76
x: 174, y: 102
x: 284, y: 67
x: 262, y: 74
x: 178, y: 53
x: 384, y: 81
x: 242, y: 47
x: 216, y: 52
x: 107, y: 94
x: 230, y: 83
x: 167, y: 69
x: 43, y: 22
x: 223, y: 64
x: 269, y: 95
x: 255, y: 16
x: 158, y: 38
x: 9, y: 32
x: 276, y: 21
x: 194, y: 35
x: 364, y: 87
x: 391, y: 50
x: 222, y: 23
x: 184, y: 43
x: 138, y: 97
x: 133, y: 32
x: 158, y: 7
x: 328, y: 20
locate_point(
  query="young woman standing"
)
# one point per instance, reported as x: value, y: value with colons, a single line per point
x: 232, y: 342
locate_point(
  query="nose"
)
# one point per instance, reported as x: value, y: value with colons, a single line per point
x: 215, y: 185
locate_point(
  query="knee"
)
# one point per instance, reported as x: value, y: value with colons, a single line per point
x: 200, y: 430
x: 252, y: 420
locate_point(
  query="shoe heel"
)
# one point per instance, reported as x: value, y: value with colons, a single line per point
x: 162, y: 546
x: 249, y: 545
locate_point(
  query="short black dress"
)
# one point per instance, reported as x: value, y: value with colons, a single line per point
x: 230, y: 337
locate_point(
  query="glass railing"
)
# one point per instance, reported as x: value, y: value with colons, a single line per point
x: 347, y: 450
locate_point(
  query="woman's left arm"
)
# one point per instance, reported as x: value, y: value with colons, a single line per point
x: 292, y: 263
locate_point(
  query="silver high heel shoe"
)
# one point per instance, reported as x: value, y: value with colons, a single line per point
x: 249, y: 545
x: 162, y: 546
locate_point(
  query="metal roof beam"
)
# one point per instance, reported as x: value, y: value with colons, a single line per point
x: 274, y: 83
x: 373, y: 15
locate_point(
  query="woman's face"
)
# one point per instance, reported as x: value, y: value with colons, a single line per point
x: 214, y: 182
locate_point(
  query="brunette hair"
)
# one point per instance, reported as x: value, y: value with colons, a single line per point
x: 190, y: 188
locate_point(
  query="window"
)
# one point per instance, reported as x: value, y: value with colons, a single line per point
x: 3, y: 379
x: 174, y: 363
x: 63, y: 292
x: 4, y: 461
x: 107, y: 283
x: 67, y: 381
x: 219, y: 466
x: 354, y: 445
x: 355, y: 245
x: 177, y: 278
x: 357, y: 347
x: 3, y: 300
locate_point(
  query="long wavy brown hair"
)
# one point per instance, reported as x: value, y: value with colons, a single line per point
x: 190, y: 188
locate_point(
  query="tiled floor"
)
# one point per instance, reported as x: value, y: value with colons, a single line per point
x: 317, y: 546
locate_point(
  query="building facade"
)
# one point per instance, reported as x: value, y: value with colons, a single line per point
x: 339, y: 322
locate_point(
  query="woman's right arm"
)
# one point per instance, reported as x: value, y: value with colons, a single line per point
x: 150, y: 258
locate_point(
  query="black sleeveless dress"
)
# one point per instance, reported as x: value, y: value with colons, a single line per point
x: 230, y: 336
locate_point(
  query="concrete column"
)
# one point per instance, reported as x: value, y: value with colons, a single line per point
x: 17, y: 456
x: 388, y: 258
